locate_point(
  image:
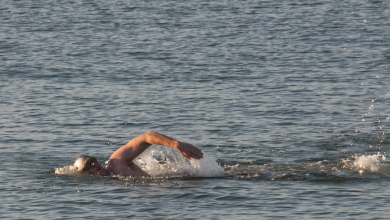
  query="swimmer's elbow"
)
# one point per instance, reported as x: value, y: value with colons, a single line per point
x: 151, y: 133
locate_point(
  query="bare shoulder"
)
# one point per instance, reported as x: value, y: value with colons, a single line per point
x: 120, y: 167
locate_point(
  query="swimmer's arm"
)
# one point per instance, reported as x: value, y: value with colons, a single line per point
x: 139, y: 144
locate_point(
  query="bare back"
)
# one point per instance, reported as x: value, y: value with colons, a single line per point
x: 123, y: 168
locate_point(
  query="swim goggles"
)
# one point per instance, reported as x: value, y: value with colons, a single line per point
x: 87, y: 164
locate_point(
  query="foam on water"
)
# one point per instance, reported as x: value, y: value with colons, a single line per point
x: 168, y: 162
x: 324, y: 169
x: 66, y: 170
x: 376, y: 163
x: 371, y: 163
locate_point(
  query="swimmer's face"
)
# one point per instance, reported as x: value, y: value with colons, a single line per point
x: 97, y: 169
x: 89, y: 165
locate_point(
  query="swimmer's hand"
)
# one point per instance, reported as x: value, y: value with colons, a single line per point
x: 189, y: 151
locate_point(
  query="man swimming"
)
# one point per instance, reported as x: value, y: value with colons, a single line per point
x: 121, y: 161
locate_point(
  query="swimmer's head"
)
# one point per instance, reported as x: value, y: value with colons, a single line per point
x: 83, y: 163
x: 89, y: 165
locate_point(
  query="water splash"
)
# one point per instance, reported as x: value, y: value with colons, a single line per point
x: 371, y: 163
x: 66, y: 170
x: 163, y: 162
x: 329, y: 170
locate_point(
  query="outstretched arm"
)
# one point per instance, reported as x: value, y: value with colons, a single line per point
x: 139, y: 144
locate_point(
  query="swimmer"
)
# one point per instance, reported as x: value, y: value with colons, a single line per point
x: 121, y: 161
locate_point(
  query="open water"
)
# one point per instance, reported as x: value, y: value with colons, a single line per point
x: 289, y: 100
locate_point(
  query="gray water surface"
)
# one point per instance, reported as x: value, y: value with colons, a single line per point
x: 291, y: 98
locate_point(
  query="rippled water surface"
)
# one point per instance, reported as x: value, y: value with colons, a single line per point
x: 289, y: 100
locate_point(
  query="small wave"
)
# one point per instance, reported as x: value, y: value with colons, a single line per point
x: 362, y: 166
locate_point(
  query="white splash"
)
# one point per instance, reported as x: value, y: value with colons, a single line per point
x: 165, y: 162
x: 371, y: 163
x: 66, y: 170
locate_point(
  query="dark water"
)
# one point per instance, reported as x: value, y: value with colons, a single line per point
x: 291, y: 98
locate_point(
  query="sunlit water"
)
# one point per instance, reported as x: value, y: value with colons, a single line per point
x: 289, y: 101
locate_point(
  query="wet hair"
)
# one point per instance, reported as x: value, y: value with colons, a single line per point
x: 79, y: 162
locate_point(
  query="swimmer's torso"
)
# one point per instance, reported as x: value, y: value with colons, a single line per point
x: 118, y: 167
